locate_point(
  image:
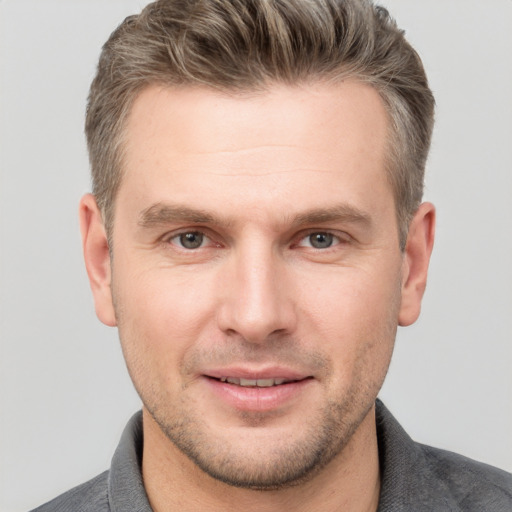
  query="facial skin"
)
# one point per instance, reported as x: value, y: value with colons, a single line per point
x: 255, y: 237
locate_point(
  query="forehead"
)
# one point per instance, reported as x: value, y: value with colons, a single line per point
x: 195, y: 145
x: 194, y: 119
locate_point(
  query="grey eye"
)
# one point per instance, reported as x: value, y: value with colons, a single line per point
x: 192, y: 240
x: 321, y: 240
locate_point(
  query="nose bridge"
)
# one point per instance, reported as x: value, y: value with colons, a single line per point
x: 257, y: 302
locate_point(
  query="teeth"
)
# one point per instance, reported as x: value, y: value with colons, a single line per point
x: 253, y: 383
x: 248, y: 382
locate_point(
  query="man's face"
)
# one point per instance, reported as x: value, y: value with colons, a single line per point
x: 256, y: 273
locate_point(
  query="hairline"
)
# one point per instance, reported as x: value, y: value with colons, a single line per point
x: 246, y: 91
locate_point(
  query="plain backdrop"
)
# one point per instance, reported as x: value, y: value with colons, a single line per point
x: 65, y: 395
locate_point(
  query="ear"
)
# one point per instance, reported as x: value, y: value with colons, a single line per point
x: 97, y: 258
x: 418, y: 249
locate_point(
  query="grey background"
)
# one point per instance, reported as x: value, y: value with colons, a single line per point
x: 64, y: 392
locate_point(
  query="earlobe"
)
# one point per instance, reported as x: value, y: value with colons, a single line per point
x: 420, y: 242
x: 97, y: 258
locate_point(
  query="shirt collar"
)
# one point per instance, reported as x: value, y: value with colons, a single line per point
x: 126, y: 491
x: 408, y: 480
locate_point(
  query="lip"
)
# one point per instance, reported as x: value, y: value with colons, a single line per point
x: 271, y: 372
x: 257, y: 399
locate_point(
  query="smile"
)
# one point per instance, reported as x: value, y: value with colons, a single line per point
x: 258, y: 390
x: 254, y: 383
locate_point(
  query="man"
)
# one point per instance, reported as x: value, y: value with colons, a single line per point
x: 256, y: 234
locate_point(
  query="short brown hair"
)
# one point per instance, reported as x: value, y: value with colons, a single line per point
x: 237, y: 45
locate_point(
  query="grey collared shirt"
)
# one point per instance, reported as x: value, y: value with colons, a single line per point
x: 415, y: 478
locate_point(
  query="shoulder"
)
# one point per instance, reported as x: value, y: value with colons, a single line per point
x: 421, y: 478
x: 90, y: 496
x: 475, y: 486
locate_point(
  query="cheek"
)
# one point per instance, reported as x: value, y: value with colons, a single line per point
x: 160, y: 317
x: 353, y: 299
x: 355, y: 319
x: 162, y: 300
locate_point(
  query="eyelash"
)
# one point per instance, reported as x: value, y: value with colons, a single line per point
x: 335, y: 239
x: 178, y: 236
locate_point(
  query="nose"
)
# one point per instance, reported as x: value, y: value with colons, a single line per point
x: 257, y: 296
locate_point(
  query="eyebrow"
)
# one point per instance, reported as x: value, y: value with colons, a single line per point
x: 160, y: 214
x: 338, y: 213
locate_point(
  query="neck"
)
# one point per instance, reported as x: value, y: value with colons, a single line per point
x: 349, y: 483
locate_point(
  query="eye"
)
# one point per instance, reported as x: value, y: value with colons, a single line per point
x: 189, y: 240
x: 319, y: 240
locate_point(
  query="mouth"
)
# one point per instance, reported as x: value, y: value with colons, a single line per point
x: 264, y: 389
x: 258, y: 393
x: 256, y: 383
